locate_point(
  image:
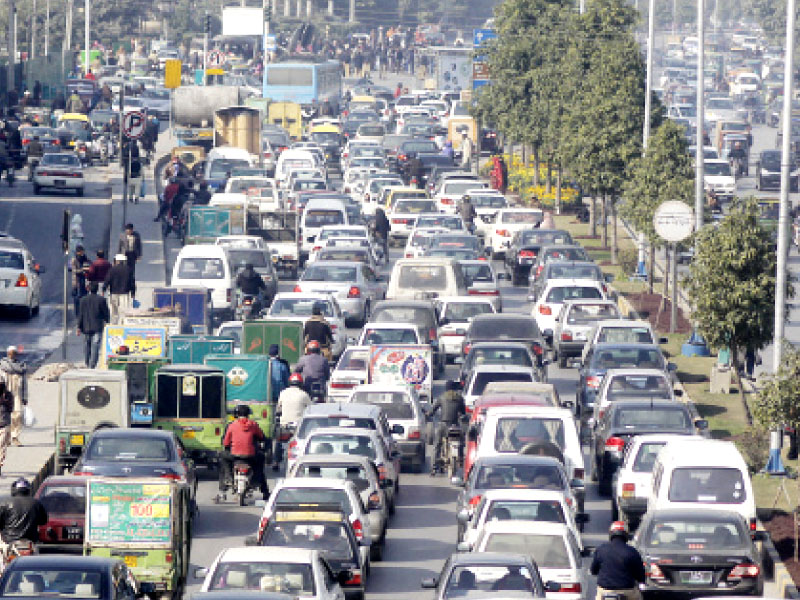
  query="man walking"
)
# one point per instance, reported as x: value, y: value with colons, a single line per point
x: 118, y: 282
x: 6, y: 407
x: 466, y: 151
x: 15, y: 373
x: 99, y: 268
x: 92, y: 318
x: 130, y: 244
x: 79, y: 265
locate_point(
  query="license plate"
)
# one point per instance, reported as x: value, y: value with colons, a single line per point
x: 59, y: 183
x: 76, y: 440
x: 188, y: 434
x: 73, y: 533
x: 696, y: 577
x: 131, y: 561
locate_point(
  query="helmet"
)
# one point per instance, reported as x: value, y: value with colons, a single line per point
x: 618, y: 528
x: 241, y: 410
x: 296, y: 379
x: 21, y: 487
x: 313, y: 346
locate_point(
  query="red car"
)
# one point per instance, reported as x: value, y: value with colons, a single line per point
x: 64, y: 498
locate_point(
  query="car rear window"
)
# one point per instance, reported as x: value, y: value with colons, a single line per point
x: 300, y: 307
x: 352, y: 472
x: 619, y: 358
x: 128, y: 449
x: 482, y: 380
x: 625, y: 335
x: 389, y: 336
x: 513, y: 434
x: 560, y: 294
x: 548, y: 551
x: 515, y: 329
x: 395, y: 405
x: 500, y: 356
x: 201, y: 268
x: 694, y: 535
x: 646, y: 456
x: 522, y: 218
x: 461, y: 312
x: 55, y: 583
x: 566, y: 271
x: 309, y: 424
x: 414, y: 207
x: 717, y: 485
x: 423, y: 277
x: 333, y: 274
x: 360, y: 445
x: 64, y: 499
x: 301, y: 495
x: 650, y: 386
x: 566, y: 254
x: 321, y: 218
x: 581, y: 314
x: 532, y: 476
x: 329, y: 538
x: 289, y: 578
x: 653, y: 418
x: 477, y: 273
x: 526, y: 510
x: 11, y: 260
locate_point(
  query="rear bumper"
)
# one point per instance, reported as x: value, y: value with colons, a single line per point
x: 632, y: 507
x: 570, y: 348
x: 410, y: 450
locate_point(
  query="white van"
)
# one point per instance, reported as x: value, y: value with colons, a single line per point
x: 426, y: 278
x: 221, y: 161
x: 702, y: 473
x: 319, y: 213
x: 207, y: 266
x: 294, y: 158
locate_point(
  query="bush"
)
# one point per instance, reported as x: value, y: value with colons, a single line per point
x: 628, y: 259
x: 754, y: 446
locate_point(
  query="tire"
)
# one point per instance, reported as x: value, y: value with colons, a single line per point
x: 376, y: 552
x: 79, y: 192
x: 562, y: 361
x: 37, y: 189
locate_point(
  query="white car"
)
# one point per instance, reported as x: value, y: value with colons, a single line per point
x: 351, y: 370
x: 20, y: 284
x: 454, y: 316
x: 448, y: 195
x: 487, y: 203
x: 419, y: 239
x: 299, y: 572
x: 547, y: 308
x: 506, y: 223
x: 554, y: 548
x: 390, y: 333
x: 332, y: 231
x: 246, y: 242
x: 298, y: 306
x: 619, y: 385
x: 403, y: 216
x: 717, y: 176
x: 60, y: 171
x: 480, y: 376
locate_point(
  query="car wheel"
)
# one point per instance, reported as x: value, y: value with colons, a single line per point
x: 37, y: 189
x: 79, y: 192
x: 562, y: 361
x: 376, y: 552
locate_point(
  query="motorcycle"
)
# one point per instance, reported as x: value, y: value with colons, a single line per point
x: 248, y: 306
x: 33, y: 162
x: 284, y: 434
x: 10, y: 175
x: 242, y: 480
x: 316, y: 390
x: 453, y: 449
x: 14, y: 550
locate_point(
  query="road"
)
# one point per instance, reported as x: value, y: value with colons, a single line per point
x: 36, y: 220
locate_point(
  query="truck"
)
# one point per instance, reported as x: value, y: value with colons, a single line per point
x: 194, y: 107
x: 404, y: 364
x: 238, y: 127
x: 279, y: 231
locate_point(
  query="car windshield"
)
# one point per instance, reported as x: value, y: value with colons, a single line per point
x: 301, y: 495
x: 324, y: 137
x: 440, y: 221
x: 526, y: 510
x: 201, y: 268
x: 482, y: 581
x: 625, y: 335
x: 11, y: 260
x: 547, y: 551
x: 321, y: 218
x: 500, y: 356
x: 693, y: 535
x: 241, y: 186
x: 222, y: 166
x: 532, y: 476
x: 488, y: 201
x: 545, y: 237
x: 565, y: 253
x: 655, y: 418
x: 128, y: 449
x: 309, y: 424
x: 55, y: 159
x: 717, y: 169
x: 455, y: 241
x: 55, y: 583
x: 580, y: 314
x: 289, y: 578
x: 420, y: 146
x: 514, y: 433
x: 331, y: 273
x: 240, y: 258
x: 339, y: 443
x: 515, y: 329
x: 460, y: 187
x: 345, y: 254
x: 300, y: 307
x: 651, y: 386
x: 573, y: 292
x: 621, y: 358
x: 461, y: 312
x: 66, y: 499
x: 354, y: 472
x: 483, y: 378
x: 276, y: 139
x: 389, y: 336
x: 716, y: 485
x: 395, y: 405
x: 454, y: 253
x: 330, y: 538
x: 771, y: 161
x: 646, y: 456
x: 371, y: 130
x: 414, y: 207
x: 520, y: 218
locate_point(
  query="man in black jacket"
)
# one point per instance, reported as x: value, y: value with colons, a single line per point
x: 617, y: 565
x: 92, y: 318
x: 130, y: 244
x: 118, y: 282
x: 22, y: 514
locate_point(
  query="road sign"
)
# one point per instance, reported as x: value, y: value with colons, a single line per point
x: 215, y: 59
x: 172, y: 73
x: 133, y: 124
x: 270, y: 42
x: 674, y: 220
x: 481, y: 36
x: 480, y: 70
x: 478, y: 83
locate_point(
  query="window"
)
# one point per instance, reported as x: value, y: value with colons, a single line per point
x: 360, y: 445
x: 474, y: 579
x: 309, y: 424
x: 532, y: 218
x: 128, y: 449
x: 423, y: 277
x: 330, y: 538
x: 513, y: 434
x: 414, y: 207
x: 656, y: 418
x: 301, y: 495
x: 389, y: 336
x: 560, y: 294
x: 547, y: 551
x: 714, y: 485
x: 649, y: 386
x: 60, y: 160
x: 478, y: 274
x: 240, y: 258
x: 394, y: 405
x: 64, y: 499
x: 504, y: 328
x: 294, y: 76
x: 55, y: 583
x: 625, y: 335
x: 588, y: 313
x: 500, y: 356
x: 201, y: 268
x: 11, y: 260
x: 526, y: 510
x: 620, y: 358
x: 691, y: 535
x: 322, y: 217
x: 330, y: 273
x: 646, y: 457
x: 288, y: 578
x: 565, y: 254
x: 222, y: 166
x: 463, y: 312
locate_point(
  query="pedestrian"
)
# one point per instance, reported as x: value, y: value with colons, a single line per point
x: 118, y: 282
x: 15, y: 374
x: 6, y: 408
x: 92, y: 318
x: 79, y: 265
x: 466, y: 151
x: 279, y: 372
x: 130, y: 244
x: 99, y: 268
x: 135, y: 187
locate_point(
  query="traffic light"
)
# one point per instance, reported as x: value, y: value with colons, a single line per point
x: 207, y: 24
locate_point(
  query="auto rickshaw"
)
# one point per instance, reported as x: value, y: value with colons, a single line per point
x: 192, y: 349
x: 190, y: 401
x: 140, y: 372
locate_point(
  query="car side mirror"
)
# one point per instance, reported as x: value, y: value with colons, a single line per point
x: 503, y: 276
x: 464, y: 547
x: 428, y: 583
x: 463, y: 516
x: 672, y: 367
x: 457, y: 481
x: 608, y: 277
x: 552, y: 586
x: 759, y: 536
x: 701, y: 424
x: 577, y: 484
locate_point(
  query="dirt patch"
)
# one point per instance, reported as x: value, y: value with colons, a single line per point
x: 657, y: 310
x: 781, y: 529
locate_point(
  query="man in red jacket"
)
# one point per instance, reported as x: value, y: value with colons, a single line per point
x: 240, y: 442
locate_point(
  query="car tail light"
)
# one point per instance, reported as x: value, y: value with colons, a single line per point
x: 42, y: 173
x: 356, y: 579
x: 539, y: 270
x: 570, y: 588
x: 358, y: 529
x: 503, y: 232
x: 566, y: 336
x: 432, y: 335
x: 400, y: 221
x: 338, y: 385
x: 446, y: 201
x: 292, y: 450
x: 615, y: 444
x: 401, y: 157
x: 62, y: 445
x: 354, y: 292
x: 628, y: 490
x: 744, y: 571
x: 22, y: 281
x: 593, y: 381
x: 527, y: 254
x: 474, y: 292
x: 173, y: 476
x: 753, y: 525
x: 474, y: 500
x: 316, y: 248
x: 25, y: 141
x: 413, y: 433
x: 297, y: 289
x: 409, y: 255
x: 262, y: 527
x: 267, y: 154
x: 656, y: 573
x: 228, y: 295
x: 382, y: 472
x: 466, y: 349
x: 83, y: 473
x: 545, y: 310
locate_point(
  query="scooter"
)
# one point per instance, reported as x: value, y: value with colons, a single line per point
x: 316, y: 390
x: 454, y: 445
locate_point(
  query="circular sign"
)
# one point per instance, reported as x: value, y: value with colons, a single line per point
x: 93, y: 397
x: 414, y: 369
x: 674, y: 221
x: 215, y: 59
x: 133, y: 124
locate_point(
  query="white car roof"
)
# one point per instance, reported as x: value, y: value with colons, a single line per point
x: 696, y: 451
x: 532, y: 527
x: 391, y: 325
x: 623, y: 323
x: 529, y: 411
x: 502, y: 369
x: 382, y: 387
x: 526, y: 494
x: 252, y: 554
x: 314, y: 482
x: 553, y: 283
x: 303, y: 296
x: 639, y: 372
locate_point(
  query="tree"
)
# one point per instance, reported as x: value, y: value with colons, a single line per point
x: 777, y: 404
x: 664, y: 173
x: 731, y: 282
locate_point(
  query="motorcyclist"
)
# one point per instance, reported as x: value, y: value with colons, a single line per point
x: 617, y: 565
x: 293, y: 401
x: 22, y: 514
x: 241, y: 442
x: 169, y: 195
x: 738, y: 157
x: 453, y: 411
x: 317, y: 329
x: 382, y: 229
x: 251, y: 284
x: 314, y: 367
x: 415, y: 170
x: 202, y: 196
x: 468, y: 213
x: 35, y: 153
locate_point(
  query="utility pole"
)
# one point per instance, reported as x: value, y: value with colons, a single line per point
x: 699, y: 190
x: 352, y: 16
x: 786, y: 167
x: 47, y: 30
x: 12, y: 43
x: 206, y: 30
x: 651, y: 19
x: 32, y: 48
x: 87, y: 17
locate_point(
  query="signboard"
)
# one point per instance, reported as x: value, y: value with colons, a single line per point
x: 480, y: 67
x: 402, y: 365
x: 674, y: 221
x: 119, y: 512
x: 242, y: 20
x: 247, y: 378
x: 480, y: 71
x: 453, y: 69
x: 141, y: 341
x: 270, y: 42
x: 171, y: 324
x: 215, y: 59
x: 480, y: 36
x: 172, y: 73
x: 258, y: 336
x: 133, y: 124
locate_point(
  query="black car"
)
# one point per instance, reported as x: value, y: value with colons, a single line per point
x: 118, y: 452
x: 524, y: 249
x: 699, y: 552
x: 60, y: 576
x: 507, y: 327
x: 622, y: 421
x: 768, y: 172
x: 488, y: 575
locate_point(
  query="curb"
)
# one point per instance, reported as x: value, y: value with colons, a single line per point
x: 775, y: 571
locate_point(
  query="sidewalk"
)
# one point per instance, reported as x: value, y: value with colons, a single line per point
x: 38, y: 441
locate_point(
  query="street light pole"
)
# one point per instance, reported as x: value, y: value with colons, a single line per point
x: 651, y: 19
x: 32, y: 49
x: 86, y: 16
x: 699, y: 190
x: 786, y: 167
x: 47, y: 30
